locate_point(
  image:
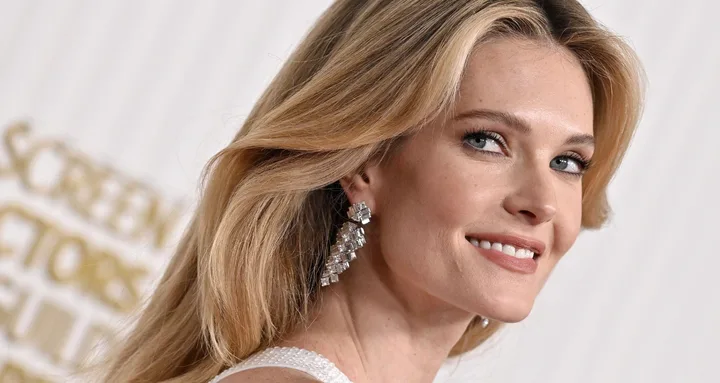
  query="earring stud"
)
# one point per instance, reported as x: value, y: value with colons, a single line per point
x: 349, y: 238
x: 484, y: 322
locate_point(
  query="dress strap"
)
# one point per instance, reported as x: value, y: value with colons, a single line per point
x: 295, y: 358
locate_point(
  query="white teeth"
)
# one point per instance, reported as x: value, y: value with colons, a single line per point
x: 509, y: 250
x: 520, y: 253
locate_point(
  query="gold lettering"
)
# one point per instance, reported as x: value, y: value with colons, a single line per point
x: 42, y: 231
x: 14, y: 373
x: 134, y: 212
x: 80, y: 185
x: 70, y: 259
x: 125, y: 218
x: 24, y: 168
x: 114, y: 281
x: 138, y: 212
x: 11, y: 145
x: 5, y: 249
x: 64, y: 246
x: 7, y: 169
x: 22, y: 163
x: 50, y: 329
x: 10, y: 315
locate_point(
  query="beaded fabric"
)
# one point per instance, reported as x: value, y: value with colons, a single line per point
x: 306, y: 361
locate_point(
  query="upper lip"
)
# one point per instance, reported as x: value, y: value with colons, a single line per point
x: 518, y: 241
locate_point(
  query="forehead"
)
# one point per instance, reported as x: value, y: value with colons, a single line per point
x: 539, y: 82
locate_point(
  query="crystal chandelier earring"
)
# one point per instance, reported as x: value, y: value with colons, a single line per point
x: 350, y: 237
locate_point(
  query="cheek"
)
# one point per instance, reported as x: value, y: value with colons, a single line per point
x: 432, y: 195
x: 416, y: 209
x: 425, y: 209
x: 569, y: 220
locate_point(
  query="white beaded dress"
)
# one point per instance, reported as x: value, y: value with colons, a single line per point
x: 295, y: 358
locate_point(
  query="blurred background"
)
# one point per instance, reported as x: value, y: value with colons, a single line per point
x: 109, y: 110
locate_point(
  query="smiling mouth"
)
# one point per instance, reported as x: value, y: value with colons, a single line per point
x: 515, y: 251
x: 516, y: 254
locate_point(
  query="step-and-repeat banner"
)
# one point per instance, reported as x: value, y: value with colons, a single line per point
x: 65, y: 286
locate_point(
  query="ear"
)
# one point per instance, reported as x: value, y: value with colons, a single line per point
x: 363, y: 185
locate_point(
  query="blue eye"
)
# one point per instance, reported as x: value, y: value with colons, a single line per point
x: 570, y: 164
x: 491, y: 142
x: 485, y: 141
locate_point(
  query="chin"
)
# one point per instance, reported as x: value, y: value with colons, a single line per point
x: 508, y: 317
x: 508, y: 311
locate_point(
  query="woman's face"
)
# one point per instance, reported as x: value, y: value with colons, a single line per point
x: 500, y: 175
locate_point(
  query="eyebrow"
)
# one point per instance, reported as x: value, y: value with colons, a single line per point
x: 519, y: 124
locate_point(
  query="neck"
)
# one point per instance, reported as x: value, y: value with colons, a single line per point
x: 379, y: 329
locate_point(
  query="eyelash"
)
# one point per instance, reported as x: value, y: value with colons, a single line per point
x: 482, y: 133
x: 584, y: 163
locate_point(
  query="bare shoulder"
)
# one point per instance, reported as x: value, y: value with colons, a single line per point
x: 269, y: 374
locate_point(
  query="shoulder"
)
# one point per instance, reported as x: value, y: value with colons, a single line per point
x: 268, y: 375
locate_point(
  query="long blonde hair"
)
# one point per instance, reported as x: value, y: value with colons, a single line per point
x: 368, y: 74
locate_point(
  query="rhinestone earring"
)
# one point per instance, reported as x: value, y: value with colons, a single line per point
x: 350, y: 237
x: 484, y: 322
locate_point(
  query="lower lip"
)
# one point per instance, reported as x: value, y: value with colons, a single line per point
x: 508, y: 262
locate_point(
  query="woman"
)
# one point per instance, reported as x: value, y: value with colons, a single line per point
x: 405, y: 185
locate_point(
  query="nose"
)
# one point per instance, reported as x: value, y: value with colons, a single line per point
x: 533, y: 199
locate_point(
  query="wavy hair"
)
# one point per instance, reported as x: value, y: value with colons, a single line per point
x: 368, y: 74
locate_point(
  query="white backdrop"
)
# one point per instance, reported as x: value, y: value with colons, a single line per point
x: 153, y: 88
